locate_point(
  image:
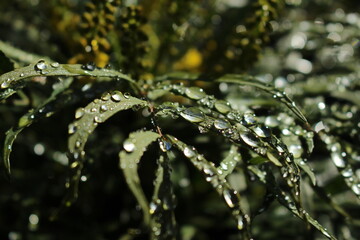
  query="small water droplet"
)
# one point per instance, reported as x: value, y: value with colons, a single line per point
x: 97, y: 119
x: 103, y: 108
x: 240, y: 222
x: 221, y: 124
x: 338, y: 160
x: 193, y: 114
x: 93, y: 109
x: 77, y: 144
x: 188, y: 152
x: 153, y: 207
x: 55, y: 64
x: 105, y: 96
x: 222, y: 106
x: 195, y: 93
x: 5, y: 84
x: 165, y: 145
x: 116, y: 96
x: 127, y: 95
x: 249, y: 119
x: 231, y: 198
x: 250, y: 139
x: 74, y: 165
x: 89, y: 66
x: 262, y: 131
x: 22, y: 74
x: 79, y: 113
x: 129, y: 145
x: 40, y: 65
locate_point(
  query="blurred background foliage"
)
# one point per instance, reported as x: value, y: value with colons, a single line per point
x: 309, y: 48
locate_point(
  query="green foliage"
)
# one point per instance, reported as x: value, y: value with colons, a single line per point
x: 254, y: 118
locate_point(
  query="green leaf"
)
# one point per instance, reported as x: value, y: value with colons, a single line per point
x: 135, y: 146
x: 229, y: 163
x: 10, y: 82
x: 285, y: 199
x: 307, y: 169
x: 58, y: 99
x: 87, y: 119
x: 163, y: 223
x: 230, y: 196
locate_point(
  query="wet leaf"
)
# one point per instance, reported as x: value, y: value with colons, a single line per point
x: 10, y: 82
x: 87, y: 119
x: 58, y: 99
x: 211, y: 175
x: 229, y: 163
x: 135, y: 146
x: 163, y: 223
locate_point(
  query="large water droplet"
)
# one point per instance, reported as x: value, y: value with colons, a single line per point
x: 103, y: 108
x: 129, y: 145
x: 262, y: 131
x: 89, y: 66
x: 127, y: 95
x: 338, y: 159
x: 40, y: 65
x: 116, y: 96
x: 55, y: 64
x: 97, y: 119
x: 249, y: 119
x: 221, y: 124
x: 250, y: 139
x: 5, y: 84
x: 79, y: 113
x: 165, y: 145
x: 188, y: 152
x: 356, y: 189
x: 222, y: 106
x: 193, y: 114
x: 296, y: 150
x: 231, y: 198
x: 195, y: 93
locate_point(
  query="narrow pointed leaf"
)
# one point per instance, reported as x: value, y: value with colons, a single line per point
x: 163, y: 224
x: 135, y: 146
x: 10, y: 82
x: 87, y: 119
x: 228, y: 165
x: 230, y: 196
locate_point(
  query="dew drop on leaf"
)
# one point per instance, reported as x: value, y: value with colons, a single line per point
x: 55, y: 64
x: 40, y: 65
x: 193, y: 114
x: 195, y: 93
x: 72, y: 128
x: 188, y: 152
x: 5, y: 84
x: 250, y: 139
x: 97, y: 119
x: 127, y: 95
x: 338, y: 160
x: 79, y: 113
x: 222, y: 106
x: 129, y: 145
x: 262, y: 131
x: 116, y: 96
x: 105, y: 96
x: 221, y: 124
x: 249, y: 119
x: 230, y: 197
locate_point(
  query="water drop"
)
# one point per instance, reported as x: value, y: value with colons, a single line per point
x: 5, y: 84
x: 89, y: 66
x: 97, y: 119
x: 105, y: 96
x: 127, y: 95
x: 77, y: 144
x: 262, y: 131
x: 356, y: 189
x: 231, y: 198
x: 74, y: 165
x: 240, y: 222
x: 165, y: 145
x: 271, y: 121
x: 249, y: 119
x: 188, y: 152
x: 296, y: 150
x: 129, y: 145
x: 338, y: 160
x: 55, y: 64
x: 103, y: 108
x: 153, y: 207
x: 221, y: 124
x: 79, y: 113
x: 93, y: 109
x: 222, y: 106
x: 347, y: 172
x: 40, y: 65
x: 195, y: 93
x: 116, y: 96
x: 250, y: 139
x: 193, y: 114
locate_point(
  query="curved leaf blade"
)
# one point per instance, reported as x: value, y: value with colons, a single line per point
x: 135, y: 146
